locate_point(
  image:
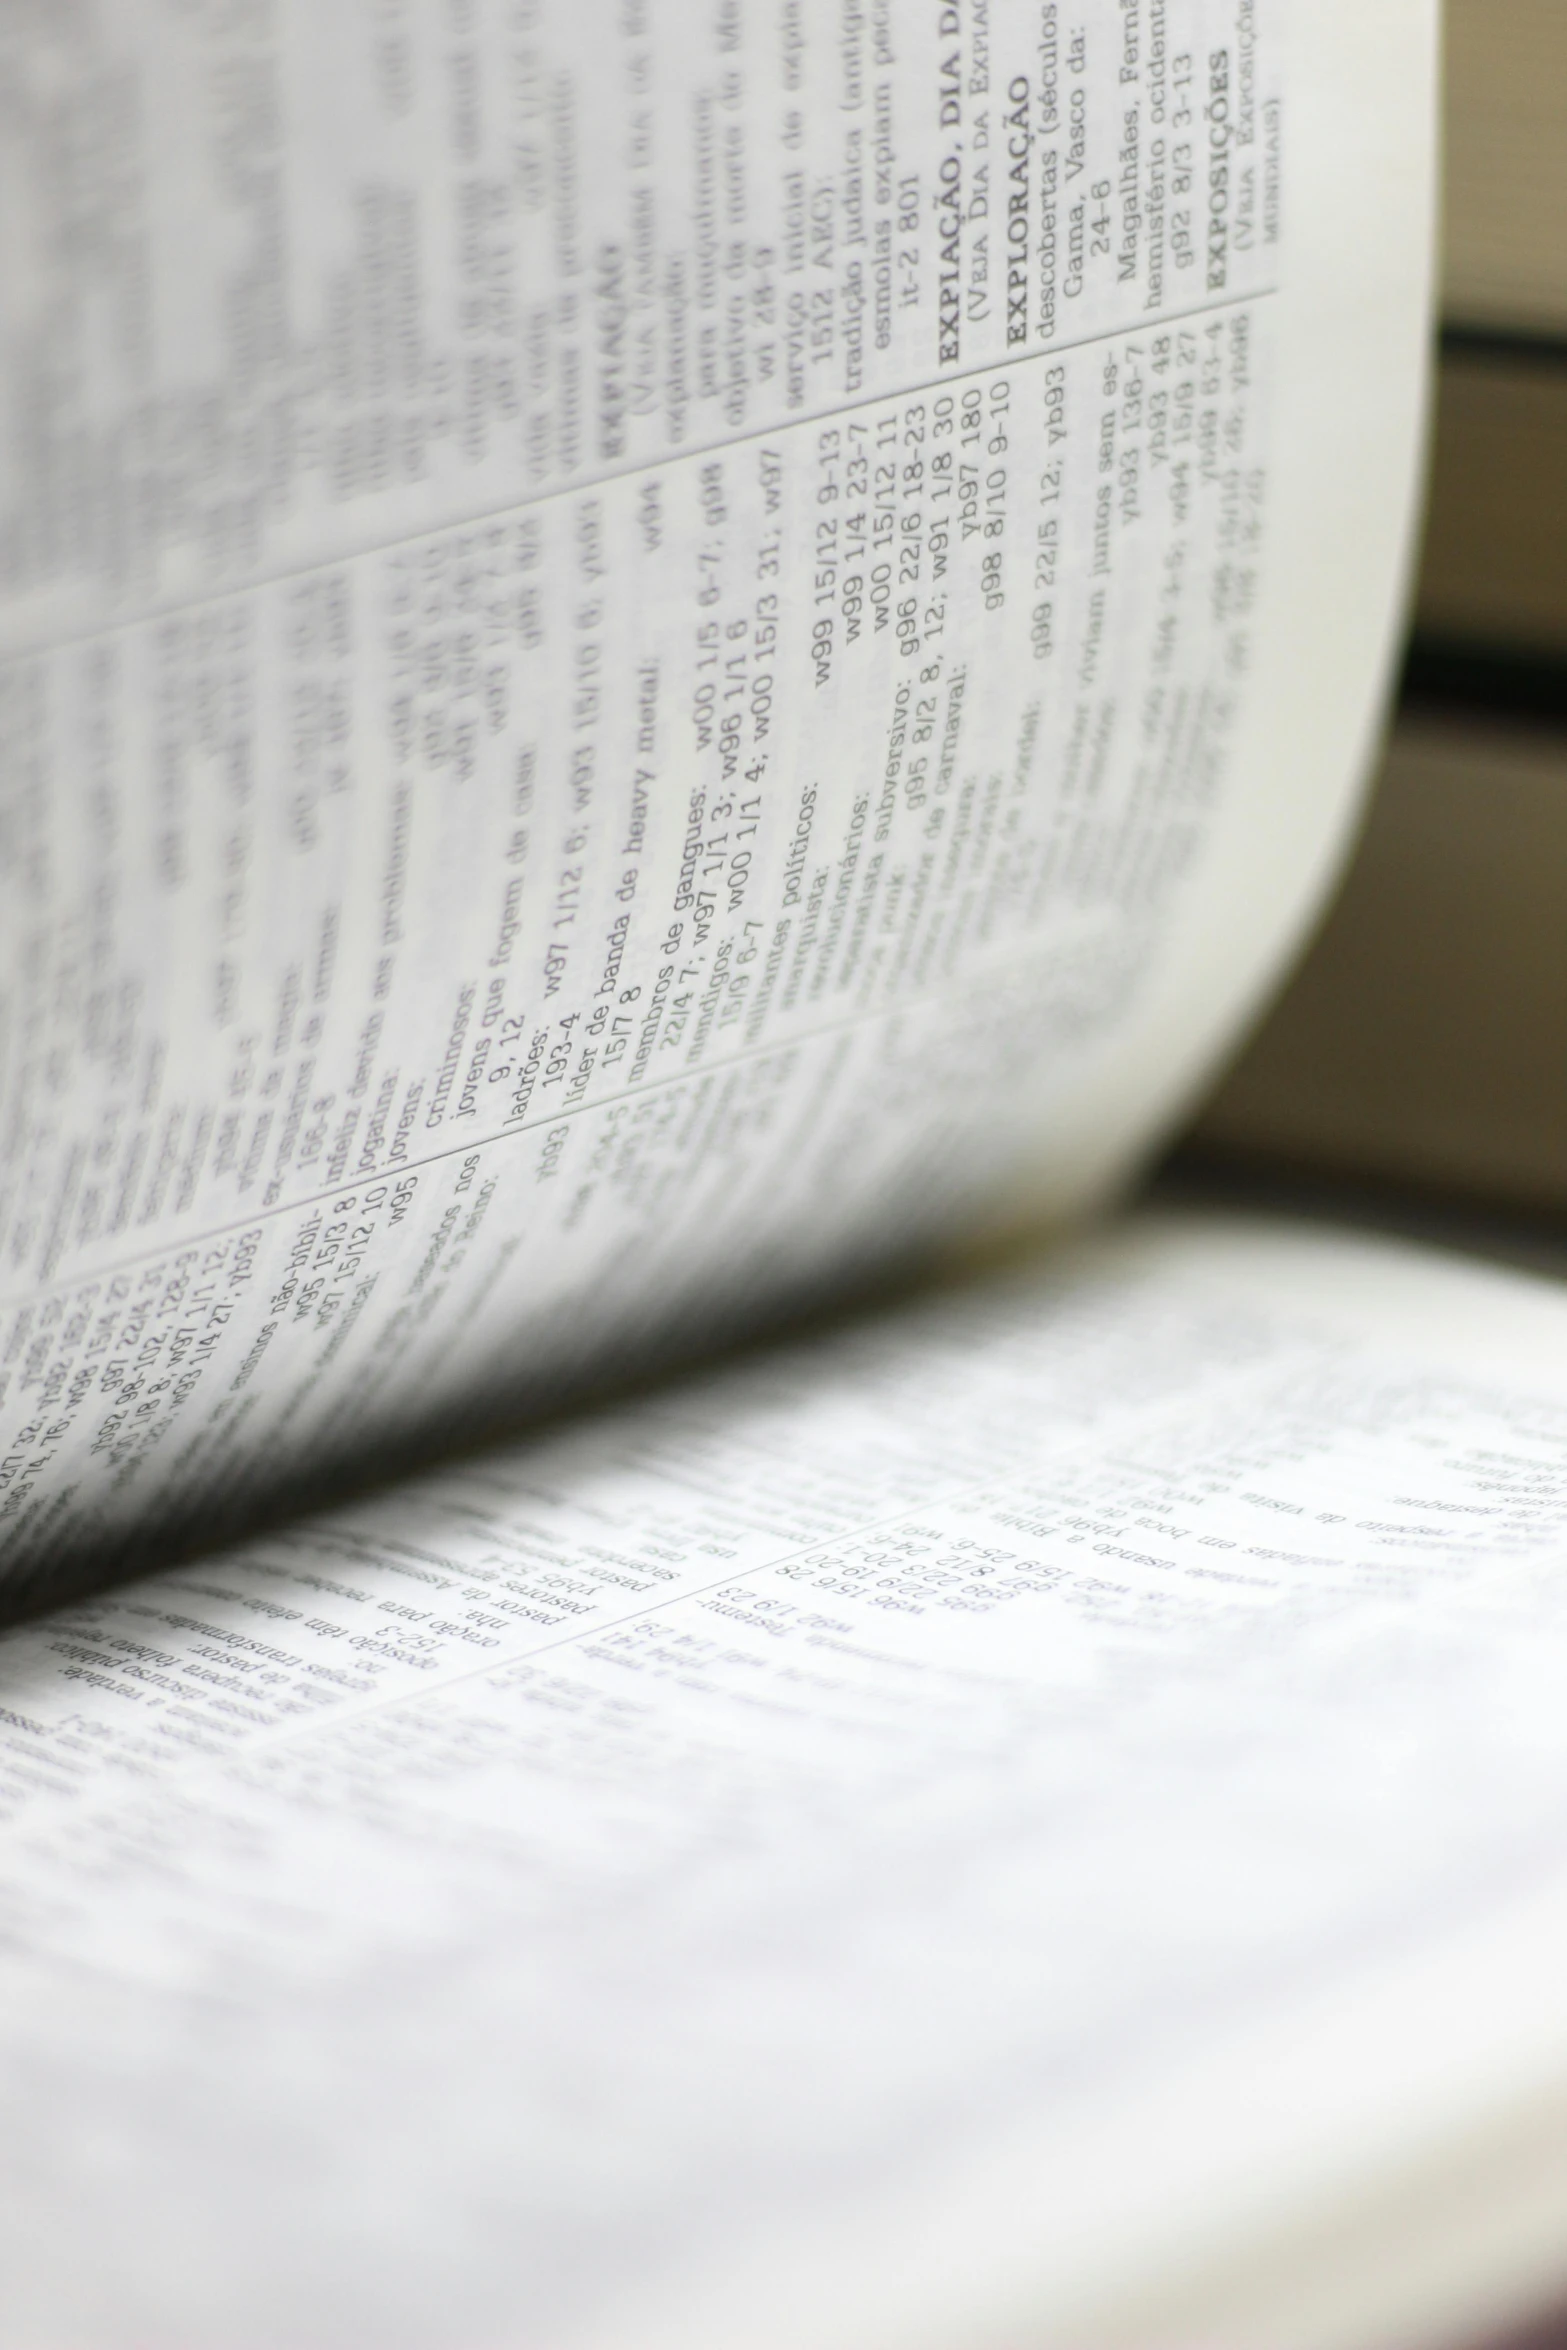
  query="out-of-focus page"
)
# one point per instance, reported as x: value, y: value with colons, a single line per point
x: 789, y: 1861
x: 648, y: 651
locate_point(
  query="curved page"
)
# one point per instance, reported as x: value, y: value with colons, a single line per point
x: 647, y: 656
x: 1036, y: 1820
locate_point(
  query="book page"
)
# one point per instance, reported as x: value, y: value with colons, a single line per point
x: 648, y: 656
x: 901, y: 1841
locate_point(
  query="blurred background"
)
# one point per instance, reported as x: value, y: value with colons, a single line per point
x: 1423, y: 1042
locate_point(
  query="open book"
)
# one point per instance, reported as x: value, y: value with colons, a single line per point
x: 655, y: 662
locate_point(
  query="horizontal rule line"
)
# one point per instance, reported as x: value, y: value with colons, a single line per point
x: 478, y: 516
x: 282, y: 1735
x: 742, y: 1055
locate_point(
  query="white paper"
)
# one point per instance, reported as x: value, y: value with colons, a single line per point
x: 651, y: 654
x: 827, y: 1852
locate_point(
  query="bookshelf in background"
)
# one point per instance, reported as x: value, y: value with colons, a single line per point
x: 1424, y: 1038
x: 1504, y: 263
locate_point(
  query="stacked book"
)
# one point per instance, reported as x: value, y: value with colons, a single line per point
x: 1425, y: 1037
